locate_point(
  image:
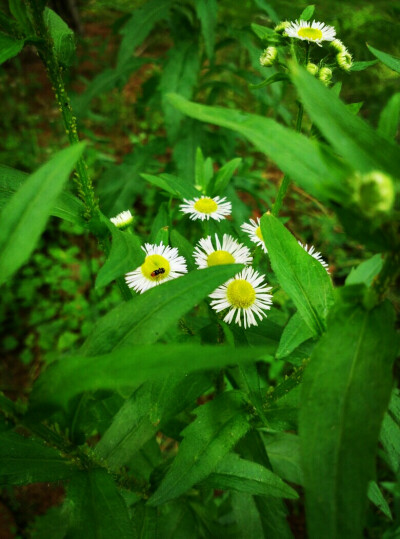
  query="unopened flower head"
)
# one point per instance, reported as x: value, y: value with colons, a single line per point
x: 314, y: 32
x: 344, y: 60
x: 253, y: 229
x: 208, y: 254
x: 206, y: 208
x: 245, y: 296
x: 375, y: 193
x: 279, y: 28
x: 325, y: 75
x: 123, y: 219
x: 315, y: 254
x: 162, y: 263
x: 338, y: 45
x: 312, y: 68
x: 269, y: 56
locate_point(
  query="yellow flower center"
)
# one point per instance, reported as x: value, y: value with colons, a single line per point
x: 155, y: 268
x: 310, y: 33
x: 258, y: 233
x: 206, y: 205
x: 218, y: 258
x: 241, y: 294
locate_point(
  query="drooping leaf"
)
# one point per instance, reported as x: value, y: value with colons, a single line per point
x: 126, y: 255
x: 296, y: 155
x: 302, y: 277
x: 128, y: 367
x: 217, y: 428
x: 139, y: 26
x: 145, y: 412
x: 173, y: 184
x: 9, y: 47
x: 295, y: 333
x: 24, y: 217
x: 145, y: 318
x: 346, y: 390
x: 62, y: 36
x: 390, y: 117
x: 234, y: 473
x: 26, y: 460
x: 387, y: 59
x: 351, y: 136
x: 207, y: 13
x: 67, y: 206
x: 98, y: 509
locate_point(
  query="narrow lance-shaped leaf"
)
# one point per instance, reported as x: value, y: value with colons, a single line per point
x: 346, y: 390
x: 219, y: 425
x: 128, y: 367
x: 295, y: 333
x: 301, y: 276
x: 24, y: 217
x: 390, y: 117
x: 387, y: 59
x: 173, y: 185
x: 207, y: 13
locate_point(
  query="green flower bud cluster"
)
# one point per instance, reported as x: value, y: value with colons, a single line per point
x: 325, y: 75
x: 374, y: 193
x: 343, y: 57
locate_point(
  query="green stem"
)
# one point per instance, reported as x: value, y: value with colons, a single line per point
x: 286, y: 180
x: 54, y: 72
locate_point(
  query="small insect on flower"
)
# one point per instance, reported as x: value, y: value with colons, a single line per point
x: 122, y: 220
x: 314, y: 32
x: 206, y: 207
x: 162, y: 263
x: 253, y: 229
x: 245, y: 296
x: 230, y: 252
x: 315, y: 254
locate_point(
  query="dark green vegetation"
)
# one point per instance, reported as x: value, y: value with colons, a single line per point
x: 148, y: 415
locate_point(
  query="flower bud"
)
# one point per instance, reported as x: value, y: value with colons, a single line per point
x: 269, y: 56
x: 312, y: 68
x: 344, y: 60
x: 325, y: 75
x: 122, y: 220
x: 338, y: 46
x: 374, y: 193
x: 280, y: 28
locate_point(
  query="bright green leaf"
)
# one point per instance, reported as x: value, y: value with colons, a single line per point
x: 366, y: 271
x: 307, y: 13
x: 390, y: 117
x: 387, y: 59
x: 296, y: 332
x: 62, y: 36
x: 173, y: 185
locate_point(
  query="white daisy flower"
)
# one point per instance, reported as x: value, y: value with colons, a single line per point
x: 162, y: 263
x: 230, y: 252
x: 206, y: 207
x: 315, y: 254
x: 253, y: 229
x: 315, y: 32
x: 245, y: 296
x: 123, y: 219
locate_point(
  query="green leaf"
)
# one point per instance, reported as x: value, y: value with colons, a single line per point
x: 144, y: 414
x: 265, y: 33
x: 295, y: 154
x: 98, y: 509
x: 387, y: 59
x: 9, y: 47
x: 217, y: 428
x: 234, y: 473
x: 125, y: 255
x: 390, y: 439
x: 224, y: 175
x: 277, y: 77
x: 339, y: 419
x: 139, y: 26
x: 351, y: 136
x: 26, y: 460
x: 366, y: 271
x: 24, y: 217
x: 390, y: 117
x: 172, y: 184
x: 126, y: 368
x: 67, y: 206
x: 62, y: 36
x: 145, y: 318
x: 179, y: 75
x: 283, y: 451
x: 307, y: 13
x: 360, y: 66
x: 246, y: 515
x: 207, y: 13
x: 376, y: 497
x: 184, y: 247
x: 301, y: 276
x: 295, y: 333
